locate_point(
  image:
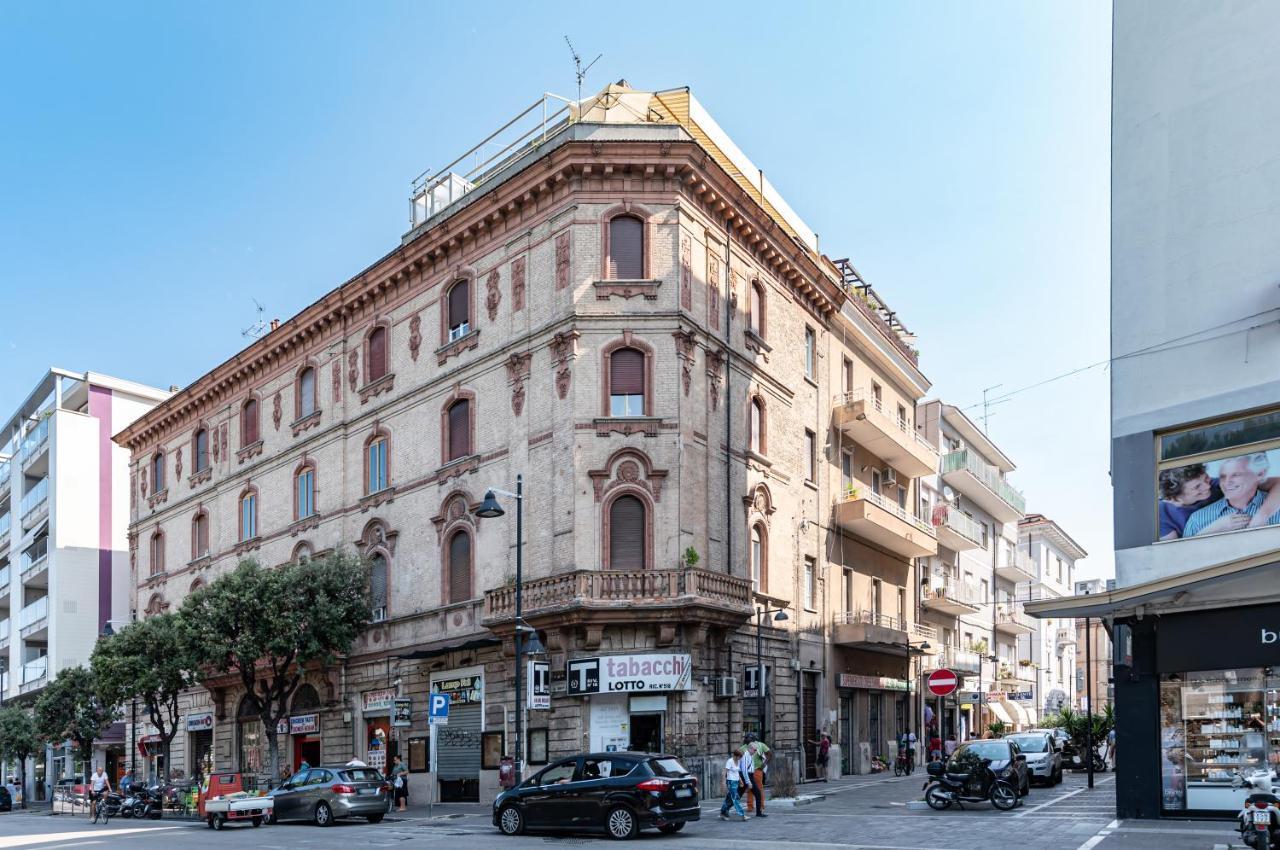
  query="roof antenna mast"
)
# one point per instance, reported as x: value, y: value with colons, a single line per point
x: 259, y: 327
x: 579, y: 71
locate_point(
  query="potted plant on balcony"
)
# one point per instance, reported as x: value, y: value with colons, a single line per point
x: 691, y: 557
x: 1025, y: 662
x: 850, y: 492
x: 979, y: 646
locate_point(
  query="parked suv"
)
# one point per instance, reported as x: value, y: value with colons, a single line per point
x: 620, y: 793
x: 323, y: 794
x: 1044, y: 756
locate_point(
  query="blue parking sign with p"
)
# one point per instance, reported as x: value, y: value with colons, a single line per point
x: 438, y: 710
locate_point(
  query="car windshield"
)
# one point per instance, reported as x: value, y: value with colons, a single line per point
x: 969, y: 756
x: 667, y: 766
x: 1031, y: 743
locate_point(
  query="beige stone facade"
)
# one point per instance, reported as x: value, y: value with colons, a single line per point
x: 545, y: 315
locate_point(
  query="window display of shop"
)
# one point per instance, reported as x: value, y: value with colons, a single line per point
x: 304, y: 726
x: 251, y: 744
x: 199, y: 758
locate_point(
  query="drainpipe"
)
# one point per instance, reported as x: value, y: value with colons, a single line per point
x: 728, y: 397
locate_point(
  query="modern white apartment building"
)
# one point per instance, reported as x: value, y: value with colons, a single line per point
x: 1051, y: 555
x: 972, y: 591
x: 64, y: 515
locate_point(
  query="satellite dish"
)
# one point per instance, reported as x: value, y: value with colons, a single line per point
x: 948, y: 493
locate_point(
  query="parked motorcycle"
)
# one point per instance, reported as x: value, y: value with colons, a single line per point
x: 1075, y: 759
x: 981, y: 786
x: 1262, y: 780
x: 1259, y: 822
x: 143, y: 802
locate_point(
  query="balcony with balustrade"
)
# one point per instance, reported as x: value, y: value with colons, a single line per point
x: 35, y: 564
x: 949, y: 595
x: 957, y: 660
x: 1012, y: 620
x: 34, y: 673
x: 33, y: 620
x: 874, y: 518
x: 1015, y: 567
x: 882, y: 633
x: 35, y: 444
x: 35, y: 503
x: 983, y: 483
x: 593, y: 599
x: 862, y: 417
x: 956, y: 531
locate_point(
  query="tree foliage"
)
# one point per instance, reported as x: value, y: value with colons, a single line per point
x: 1077, y: 725
x: 18, y: 739
x: 152, y: 662
x: 70, y: 708
x: 265, y: 626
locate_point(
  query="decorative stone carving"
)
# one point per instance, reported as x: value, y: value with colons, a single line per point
x: 715, y: 366
x: 143, y: 478
x: 177, y: 462
x: 276, y: 415
x: 377, y: 534
x: 415, y: 336
x: 562, y: 261
x: 563, y: 378
x: 133, y: 491
x: 564, y: 348
x: 713, y: 291
x: 337, y: 380
x: 686, y: 345
x: 758, y: 504
x: 224, y: 439
x: 353, y: 369
x: 517, y: 374
x: 686, y: 272
x: 628, y: 468
x: 517, y: 285
x: 606, y: 289
x: 455, y: 509
x: 493, y: 294
x: 216, y: 439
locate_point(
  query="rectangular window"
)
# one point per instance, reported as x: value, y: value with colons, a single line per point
x: 377, y: 466
x: 902, y: 607
x: 986, y: 589
x: 846, y: 375
x: 902, y: 417
x: 811, y: 455
x: 626, y: 383
x: 249, y: 517
x: 846, y: 474
x: 810, y: 351
x: 1061, y: 571
x: 876, y: 395
x: 307, y: 392
x: 846, y: 589
x: 902, y: 497
x: 809, y: 580
x: 875, y: 597
x: 985, y: 531
x: 875, y: 481
x: 306, y: 493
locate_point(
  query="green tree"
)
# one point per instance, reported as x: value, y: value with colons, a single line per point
x: 265, y: 626
x: 149, y: 661
x: 18, y: 739
x: 70, y: 708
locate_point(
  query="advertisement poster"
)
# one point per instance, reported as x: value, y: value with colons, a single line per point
x: 629, y: 673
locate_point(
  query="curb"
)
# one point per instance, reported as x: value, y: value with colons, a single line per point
x: 802, y: 800
x: 917, y: 806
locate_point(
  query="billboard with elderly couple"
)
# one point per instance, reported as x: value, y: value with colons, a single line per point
x: 1219, y: 478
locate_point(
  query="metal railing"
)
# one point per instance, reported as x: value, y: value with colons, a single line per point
x: 957, y: 658
x: 1012, y: 614
x: 949, y: 587
x: 33, y: 613
x: 892, y: 507
x: 6, y: 574
x: 35, y: 497
x: 35, y: 439
x: 888, y: 422
x: 4, y: 472
x: 35, y: 669
x: 962, y: 524
x: 987, y: 474
x: 870, y: 618
x: 1017, y: 560
x: 6, y: 522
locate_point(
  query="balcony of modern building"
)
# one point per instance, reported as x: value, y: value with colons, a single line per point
x: 6, y: 525
x: 6, y: 626
x: 34, y: 448
x: 947, y: 594
x: 34, y: 673
x: 862, y: 417
x: 1012, y: 620
x: 883, y: 633
x: 957, y: 530
x: 33, y: 620
x: 34, y: 506
x: 1015, y: 566
x: 958, y: 660
x: 966, y: 471
x: 35, y: 563
x: 869, y: 515
x: 593, y: 599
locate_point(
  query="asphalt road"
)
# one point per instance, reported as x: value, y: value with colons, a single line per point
x: 864, y: 813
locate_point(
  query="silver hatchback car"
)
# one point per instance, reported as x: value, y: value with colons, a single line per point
x: 323, y: 794
x: 1044, y: 756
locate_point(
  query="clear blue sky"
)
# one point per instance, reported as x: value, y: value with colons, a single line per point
x: 163, y: 164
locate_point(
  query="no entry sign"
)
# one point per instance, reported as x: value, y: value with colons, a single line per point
x: 943, y: 682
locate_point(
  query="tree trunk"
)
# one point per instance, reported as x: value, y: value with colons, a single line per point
x: 273, y: 752
x: 22, y: 778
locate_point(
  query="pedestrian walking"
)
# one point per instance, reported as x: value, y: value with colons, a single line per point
x: 949, y: 746
x: 732, y: 778
x: 745, y: 765
x: 823, y: 755
x: 400, y: 782
x: 761, y: 754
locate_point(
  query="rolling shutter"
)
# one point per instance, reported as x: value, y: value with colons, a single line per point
x: 307, y: 392
x: 626, y: 534
x: 458, y: 303
x: 626, y: 248
x: 377, y: 354
x: 378, y: 583
x: 626, y: 372
x: 458, y: 744
x: 249, y: 423
x: 460, y: 567
x: 459, y: 429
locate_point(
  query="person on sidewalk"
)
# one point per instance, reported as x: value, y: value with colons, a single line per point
x: 744, y: 771
x: 823, y: 755
x: 732, y: 775
x: 400, y: 782
x: 761, y: 754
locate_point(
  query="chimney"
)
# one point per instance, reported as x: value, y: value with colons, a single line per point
x: 275, y: 323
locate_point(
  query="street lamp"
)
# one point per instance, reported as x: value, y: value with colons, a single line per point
x: 911, y: 651
x: 491, y: 509
x: 779, y: 616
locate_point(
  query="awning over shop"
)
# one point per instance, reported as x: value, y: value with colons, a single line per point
x: 998, y: 709
x: 1020, y: 715
x: 149, y: 745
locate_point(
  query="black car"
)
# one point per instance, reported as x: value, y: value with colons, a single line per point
x: 6, y: 801
x: 620, y: 793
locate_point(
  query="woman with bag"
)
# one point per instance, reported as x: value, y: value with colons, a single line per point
x: 400, y: 782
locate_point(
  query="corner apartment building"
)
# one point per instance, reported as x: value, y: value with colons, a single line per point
x: 629, y: 316
x: 970, y: 591
x: 1194, y: 418
x: 1093, y: 667
x: 1052, y: 555
x: 64, y: 570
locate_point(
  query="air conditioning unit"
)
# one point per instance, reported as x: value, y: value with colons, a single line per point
x: 890, y: 475
x: 726, y: 687
x: 378, y: 615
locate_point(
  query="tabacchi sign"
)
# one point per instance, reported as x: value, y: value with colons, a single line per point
x: 629, y: 673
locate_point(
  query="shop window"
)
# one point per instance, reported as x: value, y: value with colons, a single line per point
x: 459, y: 567
x: 249, y: 738
x: 626, y: 248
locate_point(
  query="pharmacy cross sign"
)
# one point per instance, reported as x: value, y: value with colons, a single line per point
x: 943, y: 682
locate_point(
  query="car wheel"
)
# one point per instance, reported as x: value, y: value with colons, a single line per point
x: 1003, y: 796
x: 511, y: 821
x: 671, y: 828
x: 219, y: 821
x: 375, y: 818
x: 209, y: 821
x: 257, y: 822
x: 620, y: 823
x: 324, y: 814
x: 1057, y: 776
x: 937, y: 798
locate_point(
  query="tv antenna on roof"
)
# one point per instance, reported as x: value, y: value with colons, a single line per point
x: 258, y: 328
x: 579, y: 71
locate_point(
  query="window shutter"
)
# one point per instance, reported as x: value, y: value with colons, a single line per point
x: 626, y: 248
x: 459, y: 429
x: 458, y: 303
x: 307, y: 392
x: 249, y: 423
x: 202, y: 450
x: 202, y: 535
x: 460, y: 567
x: 378, y: 582
x: 626, y: 372
x: 377, y: 354
x: 626, y: 534
x: 757, y: 310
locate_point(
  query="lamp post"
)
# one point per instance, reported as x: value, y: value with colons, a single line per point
x: 490, y: 509
x: 912, y: 651
x: 779, y: 616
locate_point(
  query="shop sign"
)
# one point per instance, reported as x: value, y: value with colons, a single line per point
x: 202, y: 722
x: 968, y: 697
x: 539, y: 682
x: 378, y: 700
x: 377, y: 759
x: 304, y: 724
x: 1022, y: 696
x: 630, y: 673
x: 879, y: 683
x: 462, y: 690
x: 402, y: 712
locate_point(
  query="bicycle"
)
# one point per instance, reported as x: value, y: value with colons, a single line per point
x: 904, y: 764
x: 97, y: 802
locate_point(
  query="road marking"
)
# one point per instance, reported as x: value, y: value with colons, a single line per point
x: 1059, y: 799
x: 60, y: 837
x: 1100, y: 837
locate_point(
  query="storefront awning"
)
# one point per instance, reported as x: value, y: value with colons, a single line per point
x: 999, y: 711
x: 1243, y: 581
x: 434, y: 652
x: 1020, y: 714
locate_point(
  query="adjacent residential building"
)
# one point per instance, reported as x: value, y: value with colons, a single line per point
x: 713, y: 422
x: 1052, y: 556
x: 64, y: 570
x: 1093, y: 653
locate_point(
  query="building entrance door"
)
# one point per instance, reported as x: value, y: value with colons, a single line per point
x: 809, y: 724
x: 646, y: 732
x: 844, y: 733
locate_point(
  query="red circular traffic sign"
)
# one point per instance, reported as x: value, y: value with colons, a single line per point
x: 943, y: 682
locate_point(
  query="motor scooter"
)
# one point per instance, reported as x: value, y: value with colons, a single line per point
x: 942, y: 788
x: 1259, y: 822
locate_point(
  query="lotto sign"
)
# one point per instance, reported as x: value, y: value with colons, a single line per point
x: 438, y: 713
x: 943, y: 683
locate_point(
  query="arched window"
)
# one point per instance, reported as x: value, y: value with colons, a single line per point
x: 758, y: 428
x: 626, y: 248
x: 377, y: 457
x: 199, y: 535
x: 459, y: 567
x: 301, y: 553
x: 306, y: 392
x: 304, y: 492
x: 157, y: 553
x: 157, y: 472
x: 376, y: 353
x: 458, y: 307
x: 458, y: 421
x: 200, y: 451
x: 756, y: 319
x: 627, y: 537
x: 759, y: 557
x: 626, y: 382
x: 249, y: 515
x: 378, y: 588
x: 305, y: 699
x: 249, y: 737
x: 249, y: 430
